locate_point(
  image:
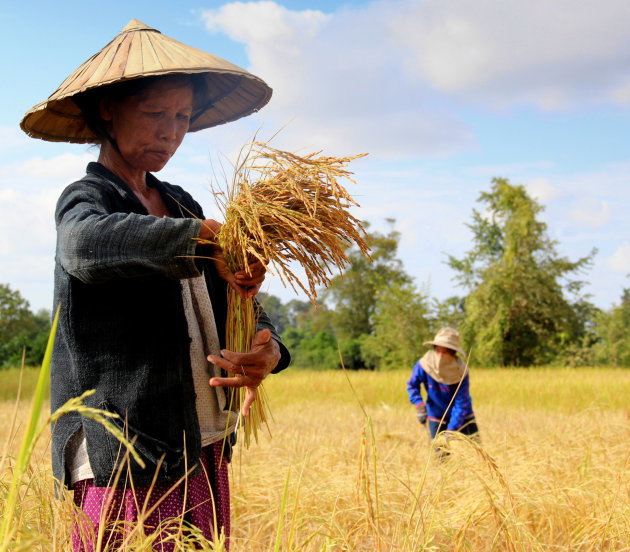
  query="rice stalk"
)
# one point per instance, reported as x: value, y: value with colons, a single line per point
x: 280, y: 209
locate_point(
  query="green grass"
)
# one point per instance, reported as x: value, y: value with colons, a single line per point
x: 566, y: 390
x: 553, y: 389
x: 563, y: 390
x: 9, y: 382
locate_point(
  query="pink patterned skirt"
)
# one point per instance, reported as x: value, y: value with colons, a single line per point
x: 207, y: 495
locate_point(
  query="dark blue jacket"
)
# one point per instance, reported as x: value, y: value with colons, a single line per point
x: 439, y: 396
x: 122, y: 328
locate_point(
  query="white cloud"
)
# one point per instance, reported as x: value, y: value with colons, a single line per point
x: 264, y: 22
x: 27, y: 242
x: 378, y: 77
x: 339, y: 81
x: 622, y: 93
x: 66, y: 166
x: 12, y: 138
x: 591, y: 212
x: 552, y: 54
x: 620, y: 260
x: 27, y: 221
x: 28, y: 194
x: 542, y: 190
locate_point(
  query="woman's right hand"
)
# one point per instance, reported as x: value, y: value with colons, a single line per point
x: 421, y: 413
x: 250, y: 368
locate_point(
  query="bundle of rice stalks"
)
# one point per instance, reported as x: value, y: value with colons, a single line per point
x: 283, y: 208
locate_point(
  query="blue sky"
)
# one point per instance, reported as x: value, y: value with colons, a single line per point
x: 444, y: 95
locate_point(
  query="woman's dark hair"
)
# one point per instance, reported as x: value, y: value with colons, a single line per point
x: 89, y: 102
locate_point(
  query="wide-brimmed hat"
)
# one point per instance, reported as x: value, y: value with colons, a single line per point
x: 140, y: 51
x: 449, y: 338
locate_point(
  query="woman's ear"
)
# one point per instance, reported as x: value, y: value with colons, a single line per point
x: 105, y: 109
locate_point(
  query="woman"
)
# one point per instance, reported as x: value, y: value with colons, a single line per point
x: 143, y: 306
x: 443, y: 374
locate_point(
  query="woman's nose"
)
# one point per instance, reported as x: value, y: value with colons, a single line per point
x: 168, y: 129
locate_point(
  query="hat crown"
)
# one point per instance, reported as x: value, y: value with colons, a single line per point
x: 448, y: 336
x: 136, y: 25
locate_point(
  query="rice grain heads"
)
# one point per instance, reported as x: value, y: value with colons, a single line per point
x: 282, y: 208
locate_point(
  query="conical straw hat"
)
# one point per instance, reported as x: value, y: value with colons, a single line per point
x: 140, y: 51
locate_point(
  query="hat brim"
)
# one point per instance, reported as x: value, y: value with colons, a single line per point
x: 445, y: 345
x: 140, y: 51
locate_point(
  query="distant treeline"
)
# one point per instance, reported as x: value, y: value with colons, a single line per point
x: 522, y: 305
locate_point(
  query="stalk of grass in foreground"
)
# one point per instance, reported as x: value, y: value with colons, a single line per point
x: 7, y: 528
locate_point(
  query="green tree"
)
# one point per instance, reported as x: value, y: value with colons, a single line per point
x: 450, y: 312
x: 315, y: 350
x: 613, y: 327
x: 15, y: 314
x: 310, y: 336
x: 295, y: 310
x: 20, y: 329
x: 353, y: 295
x: 516, y: 310
x: 275, y: 310
x: 401, y: 324
x: 377, y: 314
x: 372, y: 314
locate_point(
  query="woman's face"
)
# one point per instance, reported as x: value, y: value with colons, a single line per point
x: 149, y: 126
x: 444, y: 351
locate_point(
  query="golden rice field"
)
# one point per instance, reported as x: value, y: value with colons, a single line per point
x: 346, y: 472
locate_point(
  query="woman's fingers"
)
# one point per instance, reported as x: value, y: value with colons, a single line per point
x: 250, y: 397
x: 248, y: 283
x: 244, y: 283
x: 254, y: 275
x: 248, y: 369
x: 250, y: 375
x: 245, y: 292
x: 259, y: 362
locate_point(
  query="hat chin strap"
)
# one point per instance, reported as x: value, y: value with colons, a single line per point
x: 112, y: 142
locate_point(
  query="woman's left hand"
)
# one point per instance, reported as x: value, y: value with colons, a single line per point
x: 245, y: 283
x: 250, y: 369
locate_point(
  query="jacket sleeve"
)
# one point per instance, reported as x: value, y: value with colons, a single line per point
x: 95, y: 244
x: 460, y: 405
x: 264, y: 322
x: 413, y: 385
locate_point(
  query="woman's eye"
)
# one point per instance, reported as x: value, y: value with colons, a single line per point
x: 183, y: 116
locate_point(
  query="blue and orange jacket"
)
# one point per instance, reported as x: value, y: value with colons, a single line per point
x: 439, y: 396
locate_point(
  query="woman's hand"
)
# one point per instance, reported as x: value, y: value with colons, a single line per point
x: 245, y: 282
x: 250, y: 368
